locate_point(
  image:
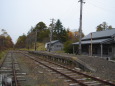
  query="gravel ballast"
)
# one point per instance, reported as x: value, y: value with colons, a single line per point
x: 37, y: 75
x: 104, y: 69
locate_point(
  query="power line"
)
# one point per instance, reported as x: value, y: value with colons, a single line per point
x: 101, y: 6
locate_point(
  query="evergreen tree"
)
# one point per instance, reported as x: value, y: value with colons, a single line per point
x: 59, y: 32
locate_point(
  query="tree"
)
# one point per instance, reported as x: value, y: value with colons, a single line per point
x: 103, y: 26
x: 68, y: 48
x: 4, y: 33
x: 21, y: 42
x: 40, y: 31
x: 9, y: 43
x: 59, y: 32
x: 64, y: 35
x: 40, y: 26
x: 5, y: 40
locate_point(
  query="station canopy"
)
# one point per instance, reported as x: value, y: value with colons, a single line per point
x: 98, y: 41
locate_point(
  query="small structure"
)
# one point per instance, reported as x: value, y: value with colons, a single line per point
x: 56, y: 45
x: 101, y: 43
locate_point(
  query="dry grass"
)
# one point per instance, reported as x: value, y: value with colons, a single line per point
x: 41, y: 46
x: 2, y: 54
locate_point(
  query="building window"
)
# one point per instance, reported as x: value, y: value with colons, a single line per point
x: 58, y: 45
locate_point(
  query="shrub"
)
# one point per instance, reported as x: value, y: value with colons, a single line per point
x: 68, y: 48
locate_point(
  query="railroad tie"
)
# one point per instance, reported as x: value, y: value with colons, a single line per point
x: 67, y: 80
x: 74, y: 84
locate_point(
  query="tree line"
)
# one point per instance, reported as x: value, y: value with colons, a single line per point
x: 5, y: 40
x: 41, y: 33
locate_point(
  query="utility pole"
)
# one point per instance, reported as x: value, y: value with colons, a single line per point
x: 51, y: 31
x: 80, y: 27
x: 91, y: 45
x: 35, y: 39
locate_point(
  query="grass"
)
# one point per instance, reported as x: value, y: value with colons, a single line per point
x: 2, y: 55
x: 59, y: 51
x: 40, y: 47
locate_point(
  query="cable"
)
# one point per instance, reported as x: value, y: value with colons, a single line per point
x: 100, y: 7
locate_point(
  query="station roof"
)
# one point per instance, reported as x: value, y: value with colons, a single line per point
x: 52, y: 42
x: 100, y: 34
x: 98, y: 41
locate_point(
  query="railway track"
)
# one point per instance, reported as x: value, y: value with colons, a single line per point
x: 72, y: 76
x: 10, y: 71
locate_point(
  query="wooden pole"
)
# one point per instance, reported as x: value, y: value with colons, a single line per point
x: 91, y: 44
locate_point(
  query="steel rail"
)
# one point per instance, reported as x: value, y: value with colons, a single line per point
x: 81, y: 83
x: 86, y: 75
x: 14, y: 71
x: 95, y: 78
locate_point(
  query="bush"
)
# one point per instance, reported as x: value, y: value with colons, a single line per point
x: 68, y: 48
x: 2, y: 54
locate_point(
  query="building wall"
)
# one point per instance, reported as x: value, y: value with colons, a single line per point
x: 108, y: 50
x: 114, y: 48
x: 113, y: 53
x: 57, y: 46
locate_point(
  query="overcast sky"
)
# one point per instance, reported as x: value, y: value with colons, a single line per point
x: 17, y: 16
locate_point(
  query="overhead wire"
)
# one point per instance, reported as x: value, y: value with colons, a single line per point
x: 102, y: 2
x: 100, y: 6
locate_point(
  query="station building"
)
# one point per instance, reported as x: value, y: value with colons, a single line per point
x: 101, y: 43
x: 56, y: 45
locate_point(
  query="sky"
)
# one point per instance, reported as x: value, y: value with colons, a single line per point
x: 17, y: 16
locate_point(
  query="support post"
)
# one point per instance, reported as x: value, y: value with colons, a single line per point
x: 101, y: 50
x: 35, y: 39
x: 89, y: 50
x: 91, y: 44
x: 73, y: 50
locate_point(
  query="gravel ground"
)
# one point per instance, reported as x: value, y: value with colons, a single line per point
x: 36, y: 75
x: 103, y: 68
